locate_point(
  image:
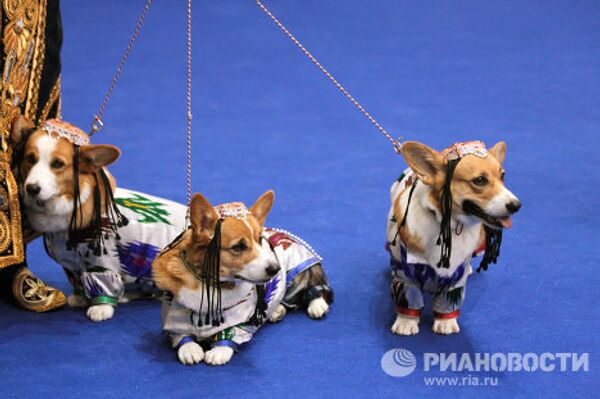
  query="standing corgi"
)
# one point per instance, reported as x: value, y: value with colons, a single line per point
x: 444, y: 207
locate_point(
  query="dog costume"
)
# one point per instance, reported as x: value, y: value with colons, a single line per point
x: 411, y: 273
x: 245, y: 306
x: 126, y: 259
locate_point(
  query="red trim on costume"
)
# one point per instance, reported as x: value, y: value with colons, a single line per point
x: 480, y: 250
x: 408, y: 312
x: 451, y: 315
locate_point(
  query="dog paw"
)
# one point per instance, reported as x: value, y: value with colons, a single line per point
x: 278, y: 314
x: 317, y: 308
x: 190, y: 353
x: 77, y: 301
x: 218, y: 356
x: 445, y: 326
x: 100, y: 312
x: 406, y: 325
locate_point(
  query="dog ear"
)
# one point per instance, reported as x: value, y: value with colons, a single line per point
x: 202, y: 215
x: 262, y: 206
x: 20, y: 130
x: 427, y: 163
x: 95, y: 156
x: 499, y: 151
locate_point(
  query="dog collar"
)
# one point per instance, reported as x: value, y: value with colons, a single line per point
x: 61, y: 129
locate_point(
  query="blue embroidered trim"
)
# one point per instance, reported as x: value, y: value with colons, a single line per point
x: 184, y: 341
x: 422, y: 272
x: 299, y: 269
x: 228, y: 343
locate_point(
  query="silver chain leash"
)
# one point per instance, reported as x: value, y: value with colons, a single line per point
x: 189, y: 106
x: 98, y: 123
x: 396, y: 143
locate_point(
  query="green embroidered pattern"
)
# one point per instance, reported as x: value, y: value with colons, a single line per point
x: 151, y: 211
x: 225, y: 335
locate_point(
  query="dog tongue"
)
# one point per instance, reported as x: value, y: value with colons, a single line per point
x: 506, y: 222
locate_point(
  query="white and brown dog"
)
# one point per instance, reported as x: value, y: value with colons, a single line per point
x: 228, y: 274
x: 105, y: 238
x: 444, y: 207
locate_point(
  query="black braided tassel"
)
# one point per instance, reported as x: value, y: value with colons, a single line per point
x: 211, y: 281
x: 105, y: 221
x: 493, y: 240
x: 445, y: 238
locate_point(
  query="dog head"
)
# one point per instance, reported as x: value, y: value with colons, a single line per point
x: 477, y: 185
x: 244, y: 253
x: 46, y: 168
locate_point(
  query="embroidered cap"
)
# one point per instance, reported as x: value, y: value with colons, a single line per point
x: 235, y: 210
x: 61, y: 129
x: 459, y: 150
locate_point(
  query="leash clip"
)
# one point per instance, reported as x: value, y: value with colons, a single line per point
x: 97, y: 125
x: 397, y: 144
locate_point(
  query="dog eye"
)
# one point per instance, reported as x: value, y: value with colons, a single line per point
x: 480, y: 181
x: 57, y: 164
x: 240, y: 246
x: 502, y: 175
x: 31, y: 159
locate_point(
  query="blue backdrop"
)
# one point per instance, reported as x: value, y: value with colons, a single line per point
x: 433, y: 71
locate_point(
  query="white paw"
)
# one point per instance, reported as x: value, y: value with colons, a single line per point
x: 218, y: 356
x: 445, y: 326
x: 405, y: 325
x: 278, y: 314
x: 317, y: 308
x: 100, y: 312
x: 78, y: 301
x: 190, y: 353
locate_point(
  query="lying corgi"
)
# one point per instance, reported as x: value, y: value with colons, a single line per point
x: 443, y: 208
x: 104, y: 238
x: 227, y: 274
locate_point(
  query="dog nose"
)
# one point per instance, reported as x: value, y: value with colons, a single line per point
x: 513, y: 206
x: 272, y: 270
x: 33, y: 189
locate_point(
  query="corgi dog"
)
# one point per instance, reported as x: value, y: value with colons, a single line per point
x: 444, y: 207
x: 228, y: 274
x: 104, y: 237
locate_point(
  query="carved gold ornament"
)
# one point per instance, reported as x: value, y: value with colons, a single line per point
x: 32, y: 294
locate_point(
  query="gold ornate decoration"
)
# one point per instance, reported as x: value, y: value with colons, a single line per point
x: 11, y: 237
x: 32, y: 294
x: 37, y: 66
x: 4, y: 232
x: 24, y: 47
x: 53, y: 99
x: 4, y: 201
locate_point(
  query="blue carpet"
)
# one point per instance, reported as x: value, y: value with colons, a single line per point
x: 433, y: 71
